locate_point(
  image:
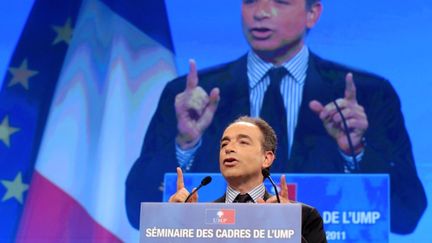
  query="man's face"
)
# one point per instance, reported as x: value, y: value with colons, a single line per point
x: 241, y: 156
x: 277, y: 26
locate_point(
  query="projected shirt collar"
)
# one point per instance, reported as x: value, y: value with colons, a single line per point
x: 297, y: 67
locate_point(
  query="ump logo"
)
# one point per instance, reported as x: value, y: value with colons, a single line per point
x: 220, y: 216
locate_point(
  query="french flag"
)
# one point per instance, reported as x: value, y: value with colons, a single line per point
x: 116, y: 58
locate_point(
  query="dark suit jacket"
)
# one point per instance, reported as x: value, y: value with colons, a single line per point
x: 388, y: 148
x: 312, y: 223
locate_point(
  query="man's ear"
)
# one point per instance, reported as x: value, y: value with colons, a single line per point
x: 313, y: 15
x: 269, y: 157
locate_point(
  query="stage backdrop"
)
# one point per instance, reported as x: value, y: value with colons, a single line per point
x: 390, y: 38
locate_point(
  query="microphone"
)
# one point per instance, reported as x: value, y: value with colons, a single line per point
x: 266, y: 173
x: 204, y: 182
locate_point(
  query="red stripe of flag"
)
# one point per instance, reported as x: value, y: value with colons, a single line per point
x: 51, y: 215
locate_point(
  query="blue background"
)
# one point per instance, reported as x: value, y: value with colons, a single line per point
x: 390, y: 38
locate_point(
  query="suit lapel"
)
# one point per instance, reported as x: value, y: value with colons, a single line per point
x: 321, y: 85
x: 316, y: 88
x: 267, y: 195
x: 234, y: 96
x: 234, y: 102
x: 235, y: 90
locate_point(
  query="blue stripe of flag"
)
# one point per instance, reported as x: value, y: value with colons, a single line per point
x: 144, y: 14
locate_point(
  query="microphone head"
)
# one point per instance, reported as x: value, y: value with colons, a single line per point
x: 265, y: 172
x: 206, y: 180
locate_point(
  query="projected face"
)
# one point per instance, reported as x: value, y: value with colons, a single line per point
x: 241, y: 155
x: 275, y: 29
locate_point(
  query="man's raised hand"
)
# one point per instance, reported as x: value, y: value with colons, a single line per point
x: 194, y: 109
x: 354, y: 114
x: 283, y: 194
x: 182, y: 193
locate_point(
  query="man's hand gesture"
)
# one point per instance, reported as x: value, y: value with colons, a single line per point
x: 182, y: 193
x: 194, y: 109
x: 354, y: 114
x: 283, y: 194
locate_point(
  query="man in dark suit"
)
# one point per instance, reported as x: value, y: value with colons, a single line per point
x: 248, y: 146
x: 185, y: 129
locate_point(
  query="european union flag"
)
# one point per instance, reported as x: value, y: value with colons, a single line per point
x: 25, y: 99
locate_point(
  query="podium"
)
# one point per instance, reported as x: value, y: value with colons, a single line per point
x: 354, y: 207
x: 220, y: 222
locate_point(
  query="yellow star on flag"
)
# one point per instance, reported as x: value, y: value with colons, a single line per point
x: 6, y: 131
x: 21, y: 75
x: 15, y: 189
x: 64, y: 33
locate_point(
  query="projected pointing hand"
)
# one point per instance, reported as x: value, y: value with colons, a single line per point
x: 354, y: 114
x: 194, y: 109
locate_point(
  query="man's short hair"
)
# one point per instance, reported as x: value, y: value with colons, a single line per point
x: 309, y: 3
x: 269, y: 142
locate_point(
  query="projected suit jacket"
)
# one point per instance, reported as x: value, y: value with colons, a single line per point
x: 388, y: 147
